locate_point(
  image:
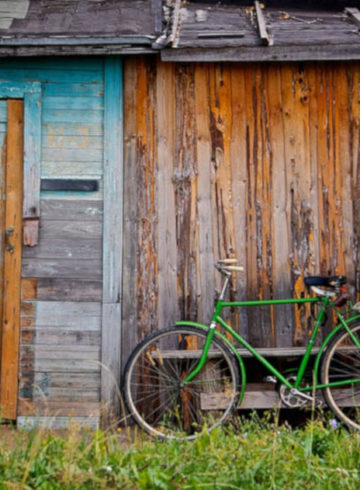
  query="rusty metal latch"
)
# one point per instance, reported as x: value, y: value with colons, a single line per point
x: 10, y: 247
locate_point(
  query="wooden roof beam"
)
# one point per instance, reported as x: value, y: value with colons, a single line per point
x: 176, y: 24
x: 354, y: 14
x: 265, y: 37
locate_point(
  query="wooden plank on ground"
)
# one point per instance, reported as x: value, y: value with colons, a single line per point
x: 12, y: 261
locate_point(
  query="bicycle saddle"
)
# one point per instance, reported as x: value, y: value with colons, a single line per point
x: 332, y: 281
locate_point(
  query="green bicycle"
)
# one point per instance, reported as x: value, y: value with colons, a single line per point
x: 173, y: 376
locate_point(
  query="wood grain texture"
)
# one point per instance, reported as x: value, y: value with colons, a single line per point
x: 165, y: 199
x: 112, y: 239
x: 12, y: 261
x: 32, y: 156
x: 263, y: 165
x: 131, y: 207
x: 3, y: 122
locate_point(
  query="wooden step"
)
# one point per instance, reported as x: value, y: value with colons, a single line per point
x: 266, y: 352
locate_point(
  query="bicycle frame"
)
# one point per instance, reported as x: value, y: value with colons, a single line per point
x: 325, y: 302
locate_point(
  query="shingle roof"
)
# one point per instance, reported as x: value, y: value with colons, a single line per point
x: 190, y: 31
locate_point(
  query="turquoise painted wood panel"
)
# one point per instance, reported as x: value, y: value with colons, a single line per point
x: 75, y: 137
x: 3, y: 111
x: 77, y: 130
x: 72, y: 115
x: 79, y: 102
x: 75, y: 89
x: 52, y: 76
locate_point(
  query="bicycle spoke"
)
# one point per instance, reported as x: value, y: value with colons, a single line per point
x: 154, y: 392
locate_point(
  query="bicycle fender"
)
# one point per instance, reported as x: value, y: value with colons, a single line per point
x: 227, y: 342
x: 327, y: 340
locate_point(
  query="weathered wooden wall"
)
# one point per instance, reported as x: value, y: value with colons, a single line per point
x: 260, y: 162
x: 61, y: 308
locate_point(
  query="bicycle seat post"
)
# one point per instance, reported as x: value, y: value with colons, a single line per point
x: 226, y: 268
x: 225, y: 286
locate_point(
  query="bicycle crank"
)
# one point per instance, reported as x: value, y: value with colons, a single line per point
x: 293, y: 398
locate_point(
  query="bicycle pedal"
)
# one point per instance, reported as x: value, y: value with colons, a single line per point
x: 270, y: 379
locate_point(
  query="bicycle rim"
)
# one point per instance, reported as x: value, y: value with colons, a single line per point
x: 342, y: 363
x: 154, y: 391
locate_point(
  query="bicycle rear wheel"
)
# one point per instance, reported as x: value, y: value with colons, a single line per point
x: 153, y: 389
x: 342, y: 363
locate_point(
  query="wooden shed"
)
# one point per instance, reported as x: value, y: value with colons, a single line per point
x: 141, y: 141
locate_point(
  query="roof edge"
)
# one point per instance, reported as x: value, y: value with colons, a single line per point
x: 75, y: 41
x: 261, y: 54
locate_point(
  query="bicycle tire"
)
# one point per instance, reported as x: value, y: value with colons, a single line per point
x: 152, y: 383
x: 341, y: 362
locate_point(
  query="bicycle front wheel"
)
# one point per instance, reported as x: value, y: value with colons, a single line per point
x: 154, y: 391
x: 341, y: 364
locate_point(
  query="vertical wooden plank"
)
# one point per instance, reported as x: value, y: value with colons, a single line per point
x: 131, y: 225
x: 295, y: 95
x: 264, y: 180
x: 342, y: 181
x: 221, y: 188
x: 2, y: 208
x: 167, y: 256
x: 251, y: 136
x: 354, y: 109
x: 239, y: 184
x: 324, y: 166
x: 220, y: 127
x: 280, y: 231
x: 112, y: 237
x: 32, y: 151
x: 311, y: 71
x: 147, y: 212
x: 185, y: 182
x: 258, y: 208
x: 203, y: 156
x: 12, y: 261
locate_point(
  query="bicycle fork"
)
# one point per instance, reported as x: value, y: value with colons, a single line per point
x: 203, y: 357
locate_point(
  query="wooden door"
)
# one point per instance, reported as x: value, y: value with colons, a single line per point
x: 10, y: 261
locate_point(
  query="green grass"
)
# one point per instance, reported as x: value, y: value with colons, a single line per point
x: 256, y: 454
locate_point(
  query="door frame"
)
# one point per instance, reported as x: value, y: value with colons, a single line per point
x: 31, y: 93
x: 28, y: 170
